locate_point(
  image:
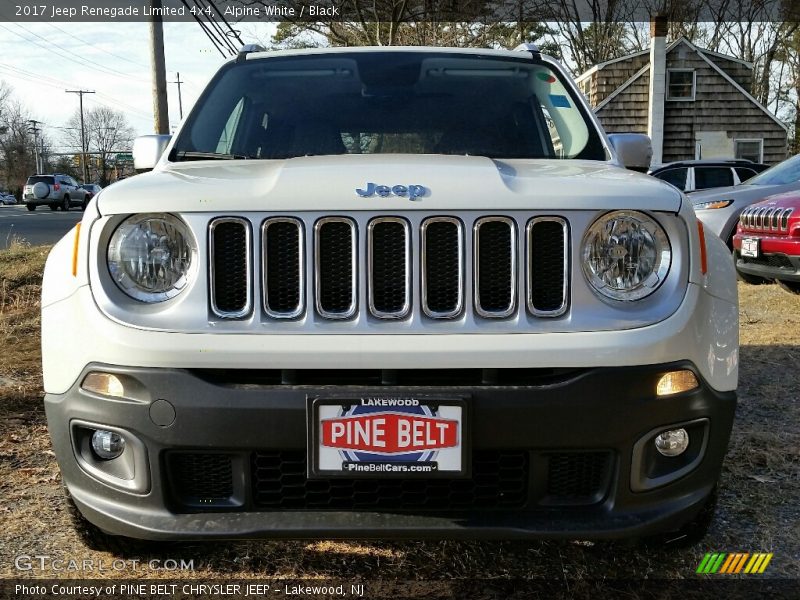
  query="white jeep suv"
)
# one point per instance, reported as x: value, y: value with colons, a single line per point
x: 390, y: 292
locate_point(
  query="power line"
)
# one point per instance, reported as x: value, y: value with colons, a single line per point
x: 224, y: 20
x: 205, y: 30
x: 210, y: 18
x: 82, y: 41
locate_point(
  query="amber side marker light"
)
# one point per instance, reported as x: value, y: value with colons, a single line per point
x: 703, y: 257
x: 106, y: 384
x: 75, y: 250
x: 676, y: 382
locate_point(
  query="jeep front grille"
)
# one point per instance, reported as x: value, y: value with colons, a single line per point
x: 230, y: 272
x: 372, y: 270
x: 442, y: 267
x: 282, y: 251
x: 766, y: 219
x: 335, y: 243
x: 389, y: 269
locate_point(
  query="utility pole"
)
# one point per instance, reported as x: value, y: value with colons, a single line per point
x: 160, y: 113
x: 35, y: 131
x: 83, y: 134
x: 180, y: 100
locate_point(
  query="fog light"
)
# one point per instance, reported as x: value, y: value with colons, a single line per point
x: 676, y: 382
x: 672, y: 442
x: 106, y: 384
x: 107, y: 444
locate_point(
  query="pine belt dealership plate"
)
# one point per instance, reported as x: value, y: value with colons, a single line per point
x: 750, y: 247
x: 382, y: 437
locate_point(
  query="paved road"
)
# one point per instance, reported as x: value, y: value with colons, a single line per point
x: 42, y: 226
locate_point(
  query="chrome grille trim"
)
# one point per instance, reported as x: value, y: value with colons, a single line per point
x: 476, y: 277
x: 406, y: 309
x: 745, y: 216
x: 768, y: 218
x: 301, y: 262
x: 248, y: 306
x: 423, y: 270
x: 353, y: 307
x: 529, y: 254
x: 761, y: 214
x: 785, y: 219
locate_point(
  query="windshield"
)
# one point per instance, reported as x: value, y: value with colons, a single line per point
x: 388, y: 102
x: 786, y: 172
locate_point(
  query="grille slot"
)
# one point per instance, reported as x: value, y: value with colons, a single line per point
x: 201, y: 479
x: 499, y: 481
x: 778, y: 261
x: 575, y: 478
x: 335, y: 267
x: 229, y: 265
x: 548, y: 252
x: 283, y: 262
x: 785, y: 219
x: 389, y: 251
x: 495, y: 247
x: 442, y: 267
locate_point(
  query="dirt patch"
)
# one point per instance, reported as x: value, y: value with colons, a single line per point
x: 758, y: 508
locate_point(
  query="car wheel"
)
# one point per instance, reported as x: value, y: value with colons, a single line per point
x: 31, y: 206
x: 65, y: 204
x: 84, y: 205
x: 751, y: 279
x: 54, y: 207
x: 793, y: 287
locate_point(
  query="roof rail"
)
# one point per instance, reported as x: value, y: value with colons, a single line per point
x: 528, y: 47
x: 248, y: 49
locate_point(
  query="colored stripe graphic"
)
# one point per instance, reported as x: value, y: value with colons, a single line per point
x: 718, y: 562
x: 727, y: 564
x: 741, y: 562
x: 765, y: 563
x: 704, y: 563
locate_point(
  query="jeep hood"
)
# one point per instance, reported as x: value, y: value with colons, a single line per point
x: 329, y: 183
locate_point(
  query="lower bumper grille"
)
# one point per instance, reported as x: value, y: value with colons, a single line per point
x: 776, y: 261
x: 500, y: 480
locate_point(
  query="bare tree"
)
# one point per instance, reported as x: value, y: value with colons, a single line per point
x: 107, y: 133
x: 17, y: 160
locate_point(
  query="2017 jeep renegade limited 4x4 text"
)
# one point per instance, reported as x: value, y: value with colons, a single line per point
x: 390, y: 293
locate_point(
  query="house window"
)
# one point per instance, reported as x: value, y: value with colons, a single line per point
x: 680, y: 84
x: 749, y: 149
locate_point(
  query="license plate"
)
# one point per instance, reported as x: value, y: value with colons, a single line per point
x: 383, y: 437
x: 750, y: 247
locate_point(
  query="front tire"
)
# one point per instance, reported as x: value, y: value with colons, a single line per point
x: 54, y: 207
x: 31, y: 206
x: 793, y: 287
x: 65, y: 204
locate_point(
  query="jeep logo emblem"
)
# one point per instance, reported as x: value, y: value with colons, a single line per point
x: 412, y: 192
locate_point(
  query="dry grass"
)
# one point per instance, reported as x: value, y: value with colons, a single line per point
x: 758, y: 508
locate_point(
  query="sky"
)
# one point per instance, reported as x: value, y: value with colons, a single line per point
x: 41, y: 60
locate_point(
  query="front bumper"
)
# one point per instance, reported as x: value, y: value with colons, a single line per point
x: 592, y: 411
x: 770, y: 266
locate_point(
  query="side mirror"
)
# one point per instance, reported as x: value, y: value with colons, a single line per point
x: 633, y: 149
x: 147, y: 149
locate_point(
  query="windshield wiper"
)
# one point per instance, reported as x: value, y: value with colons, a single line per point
x: 193, y: 155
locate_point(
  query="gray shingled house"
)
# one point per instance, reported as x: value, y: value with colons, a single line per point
x: 696, y: 106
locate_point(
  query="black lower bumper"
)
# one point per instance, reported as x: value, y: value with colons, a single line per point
x: 770, y: 266
x: 567, y: 455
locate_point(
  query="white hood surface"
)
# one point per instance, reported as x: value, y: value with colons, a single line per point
x: 329, y: 183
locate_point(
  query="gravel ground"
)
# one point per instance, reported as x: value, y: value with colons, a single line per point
x: 758, y: 506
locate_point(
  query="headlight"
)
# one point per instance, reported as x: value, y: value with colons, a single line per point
x: 713, y: 204
x: 150, y: 256
x: 626, y: 255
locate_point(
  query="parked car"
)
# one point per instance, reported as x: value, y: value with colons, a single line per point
x: 7, y: 199
x: 56, y: 191
x: 767, y: 242
x: 719, y: 209
x: 694, y: 175
x: 393, y: 292
x: 91, y: 190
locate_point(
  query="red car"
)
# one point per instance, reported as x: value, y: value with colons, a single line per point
x: 767, y: 241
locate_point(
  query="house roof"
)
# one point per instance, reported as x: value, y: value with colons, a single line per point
x: 702, y: 53
x: 602, y: 65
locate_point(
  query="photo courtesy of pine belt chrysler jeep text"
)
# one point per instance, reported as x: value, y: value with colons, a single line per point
x: 391, y: 292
